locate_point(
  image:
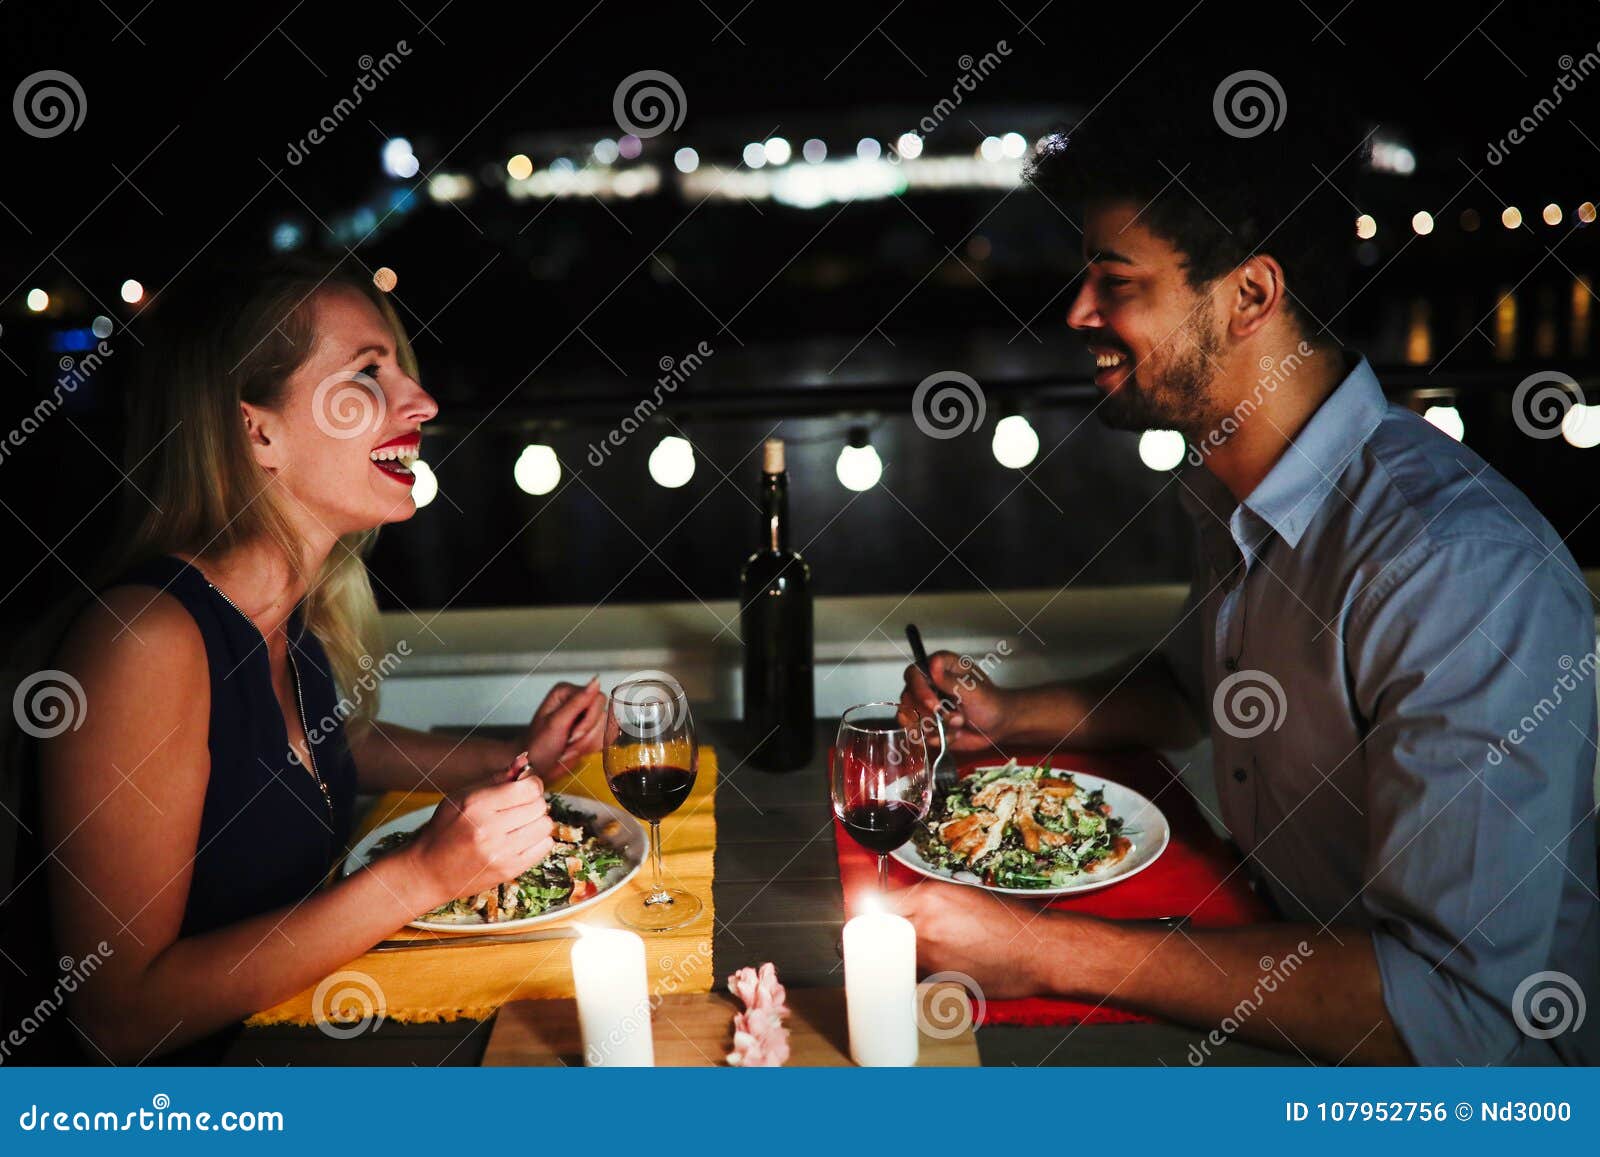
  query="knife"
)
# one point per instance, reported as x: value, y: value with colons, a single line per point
x: 467, y: 941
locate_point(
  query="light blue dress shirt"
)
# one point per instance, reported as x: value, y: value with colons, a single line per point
x: 1396, y: 656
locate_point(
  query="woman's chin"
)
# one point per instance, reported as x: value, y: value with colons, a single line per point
x: 398, y: 510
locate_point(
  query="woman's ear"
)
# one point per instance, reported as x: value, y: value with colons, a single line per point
x: 260, y: 427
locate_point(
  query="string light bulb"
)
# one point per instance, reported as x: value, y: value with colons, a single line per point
x: 426, y: 487
x: 859, y: 466
x: 1446, y: 418
x: 538, y: 470
x: 672, y: 462
x: 1016, y: 443
x: 1161, y: 449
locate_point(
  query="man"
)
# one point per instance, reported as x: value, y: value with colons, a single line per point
x: 1401, y: 612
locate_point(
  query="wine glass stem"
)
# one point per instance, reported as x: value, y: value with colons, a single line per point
x: 883, y: 873
x: 658, y: 888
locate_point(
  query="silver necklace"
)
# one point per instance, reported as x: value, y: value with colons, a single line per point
x: 294, y: 670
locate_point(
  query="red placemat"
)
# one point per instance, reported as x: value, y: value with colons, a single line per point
x: 1190, y: 878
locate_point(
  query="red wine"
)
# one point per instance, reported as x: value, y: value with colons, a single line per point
x: 775, y: 624
x: 880, y: 827
x: 651, y: 793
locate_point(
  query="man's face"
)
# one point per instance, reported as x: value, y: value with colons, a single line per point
x: 1156, y: 341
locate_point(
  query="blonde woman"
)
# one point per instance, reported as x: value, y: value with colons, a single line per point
x: 179, y: 837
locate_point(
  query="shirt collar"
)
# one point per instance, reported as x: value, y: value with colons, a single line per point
x: 1287, y: 499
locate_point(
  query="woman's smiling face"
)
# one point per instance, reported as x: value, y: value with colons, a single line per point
x: 348, y: 399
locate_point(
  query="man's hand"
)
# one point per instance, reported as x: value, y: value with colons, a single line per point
x: 994, y: 941
x: 978, y: 722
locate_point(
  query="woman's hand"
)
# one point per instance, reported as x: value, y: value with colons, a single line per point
x: 567, y: 726
x: 979, y: 720
x: 483, y: 837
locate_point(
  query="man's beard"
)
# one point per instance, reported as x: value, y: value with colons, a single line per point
x: 1172, y: 397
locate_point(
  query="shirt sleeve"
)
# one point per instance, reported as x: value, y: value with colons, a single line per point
x: 1474, y: 674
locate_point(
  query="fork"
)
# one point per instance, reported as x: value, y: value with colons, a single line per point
x: 944, y: 766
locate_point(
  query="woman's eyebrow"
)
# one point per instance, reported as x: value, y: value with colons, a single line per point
x: 379, y: 350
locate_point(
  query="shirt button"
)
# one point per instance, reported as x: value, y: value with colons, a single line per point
x: 1238, y: 774
x: 1231, y: 663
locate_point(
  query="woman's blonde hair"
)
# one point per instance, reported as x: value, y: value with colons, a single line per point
x: 197, y: 488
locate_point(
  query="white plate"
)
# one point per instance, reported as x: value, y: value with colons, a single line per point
x: 1143, y: 824
x: 613, y: 825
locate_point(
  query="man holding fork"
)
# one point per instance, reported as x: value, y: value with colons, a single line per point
x: 1407, y: 610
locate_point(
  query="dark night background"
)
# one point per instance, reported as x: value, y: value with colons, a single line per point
x: 544, y: 320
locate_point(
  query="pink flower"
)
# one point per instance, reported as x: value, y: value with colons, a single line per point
x: 759, y: 1038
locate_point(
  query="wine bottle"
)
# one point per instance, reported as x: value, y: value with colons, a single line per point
x: 775, y: 623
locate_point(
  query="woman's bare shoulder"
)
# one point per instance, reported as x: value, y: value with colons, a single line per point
x: 139, y: 636
x: 139, y: 660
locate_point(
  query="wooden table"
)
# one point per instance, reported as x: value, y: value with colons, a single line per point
x: 691, y: 1031
x: 777, y: 898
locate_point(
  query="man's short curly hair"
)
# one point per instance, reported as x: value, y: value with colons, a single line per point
x: 1219, y: 196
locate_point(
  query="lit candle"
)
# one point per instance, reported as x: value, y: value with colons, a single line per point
x: 608, y: 973
x: 880, y: 986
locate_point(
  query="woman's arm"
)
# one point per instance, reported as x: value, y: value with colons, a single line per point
x: 122, y: 800
x: 394, y: 758
x: 566, y: 727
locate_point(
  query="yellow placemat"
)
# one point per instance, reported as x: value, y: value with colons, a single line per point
x: 447, y: 983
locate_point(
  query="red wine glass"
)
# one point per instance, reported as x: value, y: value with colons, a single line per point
x: 882, y: 783
x: 650, y: 762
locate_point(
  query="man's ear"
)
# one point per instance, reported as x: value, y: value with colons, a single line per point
x: 1259, y: 295
x: 260, y: 428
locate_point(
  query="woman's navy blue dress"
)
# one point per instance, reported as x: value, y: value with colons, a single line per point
x: 268, y: 832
